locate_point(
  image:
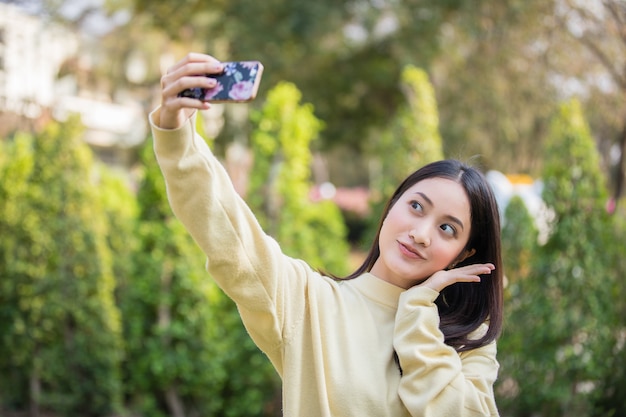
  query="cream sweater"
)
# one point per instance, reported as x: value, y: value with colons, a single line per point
x: 331, y: 342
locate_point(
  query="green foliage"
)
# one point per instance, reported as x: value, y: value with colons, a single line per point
x: 519, y: 238
x: 500, y: 68
x: 519, y: 245
x: 17, y: 163
x: 310, y: 43
x: 61, y: 328
x: 495, y: 95
x: 564, y: 312
x: 280, y: 183
x: 574, y: 185
x: 412, y: 138
x: 69, y: 228
x: 185, y: 341
x: 410, y: 141
x: 152, y: 195
x: 121, y: 210
x: 612, y: 389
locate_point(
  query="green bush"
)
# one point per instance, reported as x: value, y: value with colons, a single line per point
x: 281, y: 181
x: 185, y: 342
x: 562, y: 320
x: 61, y: 331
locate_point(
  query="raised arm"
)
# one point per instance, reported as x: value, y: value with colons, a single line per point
x: 247, y: 264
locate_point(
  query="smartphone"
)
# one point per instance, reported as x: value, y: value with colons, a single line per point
x: 238, y: 83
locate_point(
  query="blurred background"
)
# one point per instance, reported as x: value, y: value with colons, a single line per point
x: 105, y: 306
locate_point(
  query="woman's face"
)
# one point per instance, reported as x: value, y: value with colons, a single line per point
x: 425, y: 231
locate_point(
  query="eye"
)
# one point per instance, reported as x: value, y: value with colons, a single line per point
x: 415, y: 205
x: 448, y: 229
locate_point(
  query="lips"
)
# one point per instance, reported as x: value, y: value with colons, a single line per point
x: 410, y: 251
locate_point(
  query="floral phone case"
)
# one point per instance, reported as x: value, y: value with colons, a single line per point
x: 238, y: 83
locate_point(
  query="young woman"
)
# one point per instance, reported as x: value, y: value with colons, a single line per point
x: 410, y: 333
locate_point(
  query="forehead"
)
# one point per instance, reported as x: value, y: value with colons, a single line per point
x: 444, y: 194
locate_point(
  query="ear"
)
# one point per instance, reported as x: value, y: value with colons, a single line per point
x: 465, y: 254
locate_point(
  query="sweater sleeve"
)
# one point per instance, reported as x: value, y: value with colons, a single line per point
x: 246, y: 263
x: 436, y: 380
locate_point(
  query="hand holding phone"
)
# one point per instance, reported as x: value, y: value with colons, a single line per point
x: 239, y: 82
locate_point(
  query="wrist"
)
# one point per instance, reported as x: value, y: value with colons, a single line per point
x: 168, y: 120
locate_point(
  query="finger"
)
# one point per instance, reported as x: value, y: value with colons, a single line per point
x: 194, y: 68
x: 175, y: 110
x: 193, y: 57
x: 173, y: 88
x: 476, y: 268
x: 471, y: 273
x: 468, y: 273
x: 191, y: 74
x: 176, y: 103
x: 442, y: 279
x: 465, y: 278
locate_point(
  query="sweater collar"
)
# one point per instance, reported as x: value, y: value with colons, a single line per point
x: 378, y: 290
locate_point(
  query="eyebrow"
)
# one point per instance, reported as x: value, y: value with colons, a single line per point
x: 451, y: 218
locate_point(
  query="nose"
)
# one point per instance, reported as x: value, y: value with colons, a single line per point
x: 419, y: 234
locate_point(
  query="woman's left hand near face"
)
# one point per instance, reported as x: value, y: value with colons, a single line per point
x: 468, y: 273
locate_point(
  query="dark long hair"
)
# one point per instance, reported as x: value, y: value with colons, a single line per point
x: 463, y: 307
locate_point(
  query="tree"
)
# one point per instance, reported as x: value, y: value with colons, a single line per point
x: 119, y: 203
x: 16, y: 165
x: 185, y: 342
x: 412, y: 138
x: 564, y: 316
x: 355, y: 50
x: 61, y: 339
x: 493, y: 84
x: 519, y: 246
x: 410, y: 141
x: 499, y: 68
x: 281, y: 182
x: 612, y: 389
x: 600, y: 27
x: 519, y: 239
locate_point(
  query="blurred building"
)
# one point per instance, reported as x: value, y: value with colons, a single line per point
x: 31, y: 54
x: 40, y: 68
x: 505, y: 187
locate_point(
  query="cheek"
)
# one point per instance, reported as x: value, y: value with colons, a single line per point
x: 396, y: 220
x: 446, y: 255
x: 385, y: 232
